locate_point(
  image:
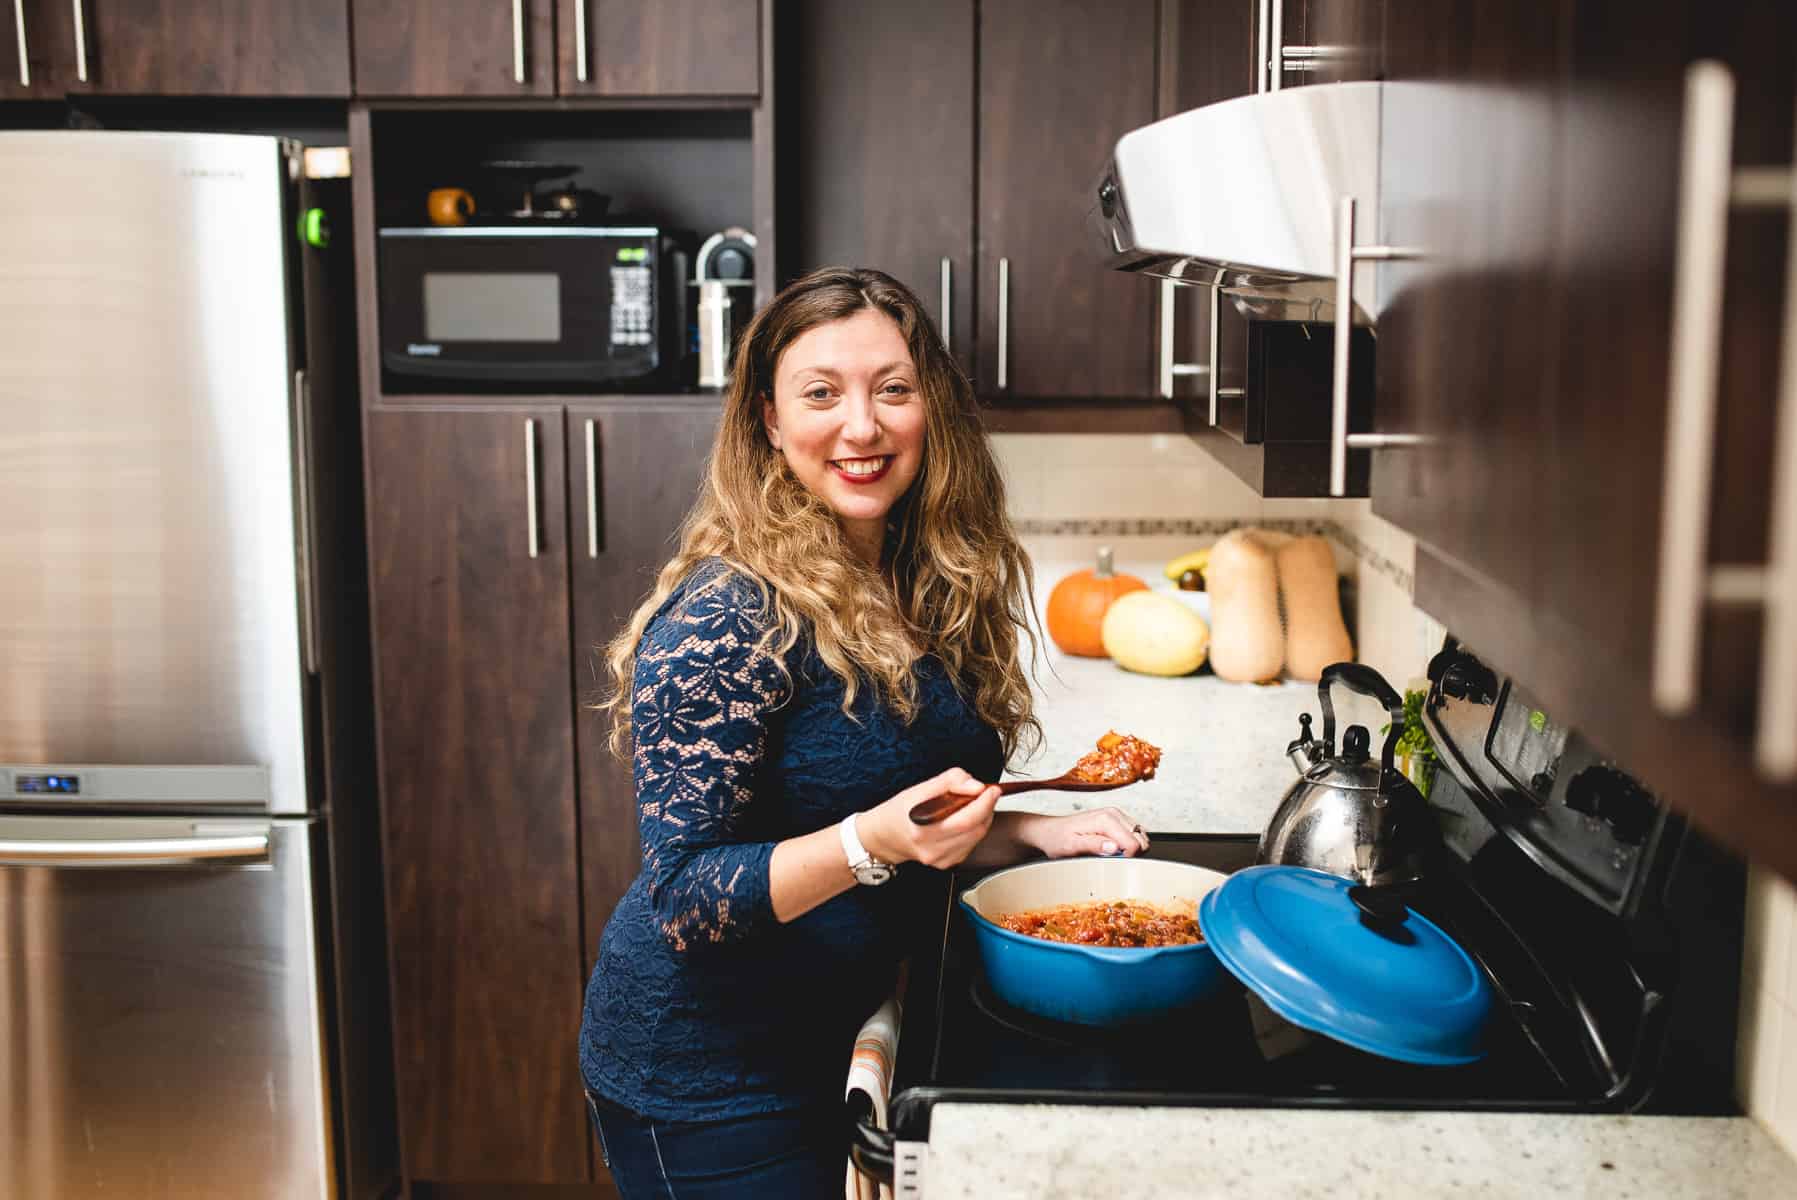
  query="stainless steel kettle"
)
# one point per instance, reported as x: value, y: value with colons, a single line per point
x: 1347, y: 814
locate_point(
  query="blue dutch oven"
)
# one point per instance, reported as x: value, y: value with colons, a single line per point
x: 1092, y: 985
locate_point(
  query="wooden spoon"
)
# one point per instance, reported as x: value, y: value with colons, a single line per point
x: 928, y: 812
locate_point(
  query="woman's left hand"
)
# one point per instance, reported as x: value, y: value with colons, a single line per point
x: 1110, y: 832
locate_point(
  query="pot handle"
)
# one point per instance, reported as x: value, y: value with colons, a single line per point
x: 870, y: 1147
x: 1357, y: 677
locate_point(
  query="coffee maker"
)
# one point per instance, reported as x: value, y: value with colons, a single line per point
x: 725, y: 276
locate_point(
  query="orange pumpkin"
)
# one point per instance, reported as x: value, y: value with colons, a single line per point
x: 1077, y: 606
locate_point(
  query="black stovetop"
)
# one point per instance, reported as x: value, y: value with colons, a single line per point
x: 960, y: 1044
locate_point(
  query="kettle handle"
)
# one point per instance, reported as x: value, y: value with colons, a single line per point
x: 1357, y: 677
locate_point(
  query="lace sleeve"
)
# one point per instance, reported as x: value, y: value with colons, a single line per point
x: 702, y: 697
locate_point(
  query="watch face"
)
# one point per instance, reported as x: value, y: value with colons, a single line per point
x: 872, y: 873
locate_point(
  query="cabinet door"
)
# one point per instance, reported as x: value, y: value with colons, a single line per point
x: 477, y: 791
x: 1332, y: 41
x: 454, y: 48
x: 46, y: 31
x: 243, y: 48
x: 1060, y: 82
x: 1470, y: 129
x: 660, y: 47
x: 633, y: 474
x: 883, y: 157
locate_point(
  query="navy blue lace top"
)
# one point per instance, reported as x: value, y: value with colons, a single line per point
x: 702, y: 1005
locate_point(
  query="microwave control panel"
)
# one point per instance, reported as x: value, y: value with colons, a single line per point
x: 632, y: 297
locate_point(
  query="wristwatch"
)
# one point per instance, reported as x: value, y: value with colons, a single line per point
x: 868, y: 869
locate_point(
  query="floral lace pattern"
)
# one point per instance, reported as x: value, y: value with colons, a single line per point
x: 691, y: 1011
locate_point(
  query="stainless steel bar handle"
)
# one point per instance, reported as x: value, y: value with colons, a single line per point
x: 80, y: 42
x: 948, y: 299
x: 1691, y: 393
x: 1340, y: 440
x: 302, y: 423
x: 1263, y: 45
x: 1004, y: 322
x: 1775, y: 747
x: 518, y: 40
x: 592, y: 490
x: 131, y: 852
x: 18, y: 17
x: 1216, y: 311
x: 1276, y: 59
x: 580, y: 40
x: 530, y: 481
x: 1165, y: 371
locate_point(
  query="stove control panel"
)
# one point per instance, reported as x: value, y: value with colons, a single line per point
x: 1582, y: 818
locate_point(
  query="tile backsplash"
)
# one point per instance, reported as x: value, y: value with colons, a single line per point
x: 1162, y: 486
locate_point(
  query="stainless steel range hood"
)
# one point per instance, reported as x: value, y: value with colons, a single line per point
x: 1247, y: 195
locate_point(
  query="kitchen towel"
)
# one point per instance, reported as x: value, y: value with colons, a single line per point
x: 870, y: 1071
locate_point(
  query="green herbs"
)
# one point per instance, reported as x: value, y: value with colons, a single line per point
x: 1414, y: 744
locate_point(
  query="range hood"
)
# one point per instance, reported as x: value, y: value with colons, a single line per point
x: 1247, y: 195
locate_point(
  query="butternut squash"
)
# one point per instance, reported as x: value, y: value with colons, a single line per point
x: 1315, y: 634
x: 1246, y: 643
x: 1154, y: 635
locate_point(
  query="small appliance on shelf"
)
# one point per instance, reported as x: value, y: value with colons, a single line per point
x: 725, y: 277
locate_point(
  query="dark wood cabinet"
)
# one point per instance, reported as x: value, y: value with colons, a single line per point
x: 1333, y: 41
x: 470, y: 626
x: 1539, y: 168
x: 238, y: 48
x: 634, y: 470
x: 171, y: 48
x: 1059, y: 83
x: 454, y: 48
x: 883, y: 162
x: 659, y: 47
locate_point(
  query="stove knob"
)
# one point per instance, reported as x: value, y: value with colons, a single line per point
x: 1616, y: 798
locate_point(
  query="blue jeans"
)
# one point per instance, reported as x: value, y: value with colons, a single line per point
x: 797, y: 1155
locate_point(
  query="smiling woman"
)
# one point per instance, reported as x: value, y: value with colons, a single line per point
x: 835, y: 641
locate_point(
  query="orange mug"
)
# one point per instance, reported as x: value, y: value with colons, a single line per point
x: 449, y: 206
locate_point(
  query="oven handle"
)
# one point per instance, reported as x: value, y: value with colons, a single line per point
x: 870, y: 1147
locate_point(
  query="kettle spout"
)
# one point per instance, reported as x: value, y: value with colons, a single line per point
x: 1304, y: 751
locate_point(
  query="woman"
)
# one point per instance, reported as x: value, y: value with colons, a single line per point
x: 835, y: 640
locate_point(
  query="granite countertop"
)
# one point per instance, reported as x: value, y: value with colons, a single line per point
x: 1223, y: 765
x: 1050, y: 1152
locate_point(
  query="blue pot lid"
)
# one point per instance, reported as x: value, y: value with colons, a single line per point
x: 1294, y: 937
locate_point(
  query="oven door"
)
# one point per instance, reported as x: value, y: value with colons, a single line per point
x: 160, y: 1022
x: 521, y: 305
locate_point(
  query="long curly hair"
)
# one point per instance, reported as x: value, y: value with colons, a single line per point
x: 954, y: 581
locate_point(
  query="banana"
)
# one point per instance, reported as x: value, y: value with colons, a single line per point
x: 1196, y: 560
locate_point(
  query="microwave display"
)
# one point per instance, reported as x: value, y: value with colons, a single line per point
x: 524, y: 306
x: 471, y: 306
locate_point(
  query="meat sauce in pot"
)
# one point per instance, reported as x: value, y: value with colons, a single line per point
x: 1106, y: 923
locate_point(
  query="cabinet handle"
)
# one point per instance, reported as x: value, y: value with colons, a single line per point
x: 1004, y: 322
x: 1216, y: 325
x: 518, y: 50
x: 1276, y: 60
x: 1263, y: 44
x: 80, y: 42
x: 580, y: 40
x: 530, y: 481
x: 18, y: 17
x: 948, y: 295
x: 592, y: 489
x: 1709, y: 185
x: 1340, y: 440
x: 1313, y: 58
x: 1168, y: 369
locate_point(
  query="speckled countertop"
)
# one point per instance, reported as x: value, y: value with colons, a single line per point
x: 1045, y: 1152
x: 1223, y: 770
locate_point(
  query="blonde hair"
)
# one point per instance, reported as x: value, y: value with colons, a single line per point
x: 956, y: 582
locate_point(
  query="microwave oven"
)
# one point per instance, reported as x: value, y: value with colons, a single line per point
x: 524, y: 306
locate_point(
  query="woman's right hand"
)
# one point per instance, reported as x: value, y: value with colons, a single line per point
x: 892, y: 837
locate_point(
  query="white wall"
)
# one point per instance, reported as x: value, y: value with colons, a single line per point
x: 1162, y: 486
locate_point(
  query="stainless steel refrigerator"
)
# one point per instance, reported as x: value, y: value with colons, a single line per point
x: 193, y: 989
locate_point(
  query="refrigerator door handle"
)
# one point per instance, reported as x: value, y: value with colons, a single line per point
x: 133, y: 852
